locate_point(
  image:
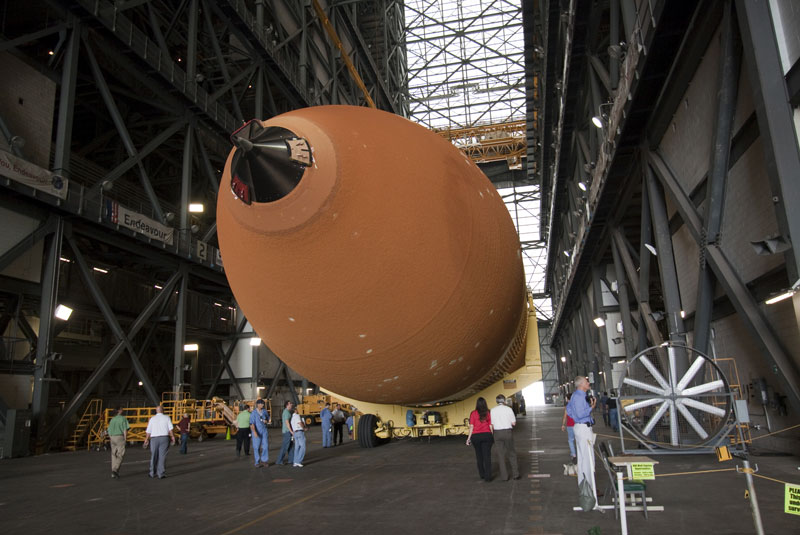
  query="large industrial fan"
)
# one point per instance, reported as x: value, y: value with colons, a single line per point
x: 675, y: 399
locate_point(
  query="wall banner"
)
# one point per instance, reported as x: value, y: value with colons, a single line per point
x: 119, y: 215
x: 32, y: 175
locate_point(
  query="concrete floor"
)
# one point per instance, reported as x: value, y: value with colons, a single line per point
x: 416, y: 487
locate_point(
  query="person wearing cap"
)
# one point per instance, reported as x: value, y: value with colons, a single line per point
x: 117, y: 435
x: 259, y: 420
x: 326, y: 416
x: 503, y: 421
x: 243, y: 430
x: 580, y: 410
x: 159, y: 436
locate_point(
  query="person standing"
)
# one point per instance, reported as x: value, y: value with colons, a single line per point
x: 183, y: 428
x: 338, y: 424
x: 117, y: 435
x: 604, y: 407
x: 326, y: 416
x: 481, y: 438
x: 349, y: 425
x: 287, y: 446
x: 159, y: 436
x: 503, y: 422
x: 568, y: 425
x: 580, y: 409
x: 243, y: 430
x: 259, y: 420
x: 613, y: 415
x: 298, y: 427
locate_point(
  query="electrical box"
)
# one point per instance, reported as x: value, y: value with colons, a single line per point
x: 16, y: 441
x: 740, y: 408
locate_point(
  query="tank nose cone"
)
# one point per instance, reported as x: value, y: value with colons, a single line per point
x: 268, y: 162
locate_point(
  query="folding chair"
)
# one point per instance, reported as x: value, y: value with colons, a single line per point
x: 629, y: 487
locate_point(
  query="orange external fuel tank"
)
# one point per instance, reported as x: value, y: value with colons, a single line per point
x: 372, y: 256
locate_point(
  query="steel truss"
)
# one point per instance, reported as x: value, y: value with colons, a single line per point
x: 606, y: 189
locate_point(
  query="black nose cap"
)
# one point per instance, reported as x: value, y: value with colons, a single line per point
x: 268, y: 162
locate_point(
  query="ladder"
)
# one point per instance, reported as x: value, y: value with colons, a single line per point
x: 90, y: 416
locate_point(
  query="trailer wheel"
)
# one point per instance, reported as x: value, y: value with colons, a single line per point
x: 366, y: 431
x: 309, y: 421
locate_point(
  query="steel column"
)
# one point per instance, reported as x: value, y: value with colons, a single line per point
x: 221, y: 61
x: 119, y: 123
x: 667, y: 270
x: 736, y: 290
x: 775, y: 121
x: 274, y: 384
x: 180, y: 330
x: 730, y: 57
x: 602, y: 335
x: 108, y: 315
x: 624, y: 303
x: 186, y: 187
x: 110, y: 359
x: 66, y: 102
x: 44, y: 345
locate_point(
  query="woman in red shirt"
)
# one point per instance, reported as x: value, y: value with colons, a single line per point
x: 568, y: 424
x: 481, y: 437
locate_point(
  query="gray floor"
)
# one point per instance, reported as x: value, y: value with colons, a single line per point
x: 416, y: 487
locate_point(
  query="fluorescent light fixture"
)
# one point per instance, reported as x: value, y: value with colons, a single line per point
x: 683, y: 313
x: 140, y: 383
x: 566, y: 253
x: 620, y: 327
x: 600, y: 322
x: 223, y: 319
x: 157, y: 287
x: 781, y: 297
x: 563, y: 359
x: 582, y: 185
x: 63, y: 312
x: 196, y: 208
x: 260, y: 387
x: 255, y: 342
x: 217, y: 304
x: 67, y: 260
x: 191, y: 347
x: 100, y: 270
x: 651, y: 249
x: 597, y: 121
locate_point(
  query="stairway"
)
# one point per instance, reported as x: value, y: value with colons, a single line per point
x: 92, y: 413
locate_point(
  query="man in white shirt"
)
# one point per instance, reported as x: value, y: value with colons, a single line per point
x: 503, y: 421
x: 298, y: 429
x: 159, y: 436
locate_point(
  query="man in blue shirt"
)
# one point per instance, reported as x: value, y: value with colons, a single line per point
x: 580, y: 410
x: 327, y: 432
x: 259, y: 420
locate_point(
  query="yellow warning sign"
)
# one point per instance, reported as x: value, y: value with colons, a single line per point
x: 792, y: 501
x: 641, y: 471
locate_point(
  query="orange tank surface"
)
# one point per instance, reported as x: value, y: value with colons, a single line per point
x: 371, y: 256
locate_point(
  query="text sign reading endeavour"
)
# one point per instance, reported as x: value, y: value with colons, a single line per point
x: 642, y: 471
x: 792, y: 501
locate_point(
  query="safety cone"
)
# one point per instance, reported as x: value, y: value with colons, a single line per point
x: 228, y: 434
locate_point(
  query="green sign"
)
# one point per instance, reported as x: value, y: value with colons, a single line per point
x: 792, y: 501
x: 641, y: 471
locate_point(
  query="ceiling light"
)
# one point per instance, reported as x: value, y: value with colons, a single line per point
x: 67, y: 260
x: 563, y: 359
x: 781, y: 297
x: 683, y: 313
x: 597, y: 121
x: 140, y: 383
x: 63, y: 312
x: 191, y: 347
x: 582, y: 185
x: 196, y: 208
x: 157, y: 287
x: 50, y: 53
x: 651, y: 249
x: 566, y: 253
x: 600, y: 322
x: 100, y: 270
x: 255, y: 342
x: 217, y: 304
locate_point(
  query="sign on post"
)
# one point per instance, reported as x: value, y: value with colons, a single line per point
x: 792, y: 500
x: 642, y: 471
